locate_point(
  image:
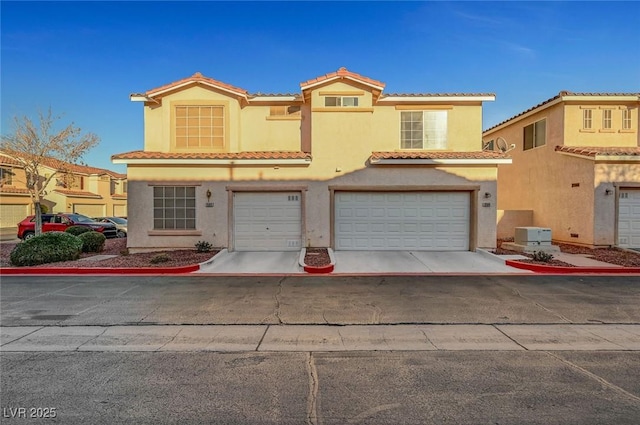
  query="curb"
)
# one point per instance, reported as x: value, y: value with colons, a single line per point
x: 98, y: 270
x: 538, y: 268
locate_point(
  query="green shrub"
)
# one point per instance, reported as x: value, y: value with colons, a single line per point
x: 92, y: 241
x: 78, y: 230
x: 49, y: 247
x: 542, y: 256
x: 203, y: 246
x: 160, y: 258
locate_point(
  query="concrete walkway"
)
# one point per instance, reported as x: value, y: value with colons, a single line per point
x: 305, y: 338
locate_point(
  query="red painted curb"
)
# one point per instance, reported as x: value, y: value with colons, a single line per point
x: 318, y: 270
x: 98, y: 270
x: 539, y: 268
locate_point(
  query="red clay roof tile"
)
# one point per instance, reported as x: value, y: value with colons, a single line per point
x: 13, y: 189
x: 211, y: 155
x: 437, y: 155
x: 591, y: 152
x: 77, y: 193
x: 341, y: 73
x: 198, y: 77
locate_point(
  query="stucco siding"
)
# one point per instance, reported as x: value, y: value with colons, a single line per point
x: 575, y: 135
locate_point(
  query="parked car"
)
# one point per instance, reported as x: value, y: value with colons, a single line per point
x: 119, y: 222
x: 60, y: 222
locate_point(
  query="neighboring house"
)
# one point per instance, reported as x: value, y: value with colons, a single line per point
x: 339, y: 165
x: 576, y: 169
x: 81, y: 189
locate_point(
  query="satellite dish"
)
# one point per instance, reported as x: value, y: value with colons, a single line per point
x: 501, y: 144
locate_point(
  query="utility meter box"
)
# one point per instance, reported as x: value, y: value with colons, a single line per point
x: 533, y: 236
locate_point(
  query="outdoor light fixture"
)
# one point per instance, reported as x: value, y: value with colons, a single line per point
x: 487, y: 195
x: 208, y: 194
x: 608, y: 192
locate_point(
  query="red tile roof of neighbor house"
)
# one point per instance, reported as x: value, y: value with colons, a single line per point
x: 341, y: 73
x: 211, y: 155
x: 558, y: 96
x: 12, y: 189
x: 195, y: 78
x: 77, y: 193
x: 591, y: 152
x: 59, y: 164
x: 438, y: 155
x: 434, y: 94
x: 5, y: 160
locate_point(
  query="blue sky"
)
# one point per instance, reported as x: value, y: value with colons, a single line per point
x: 83, y: 59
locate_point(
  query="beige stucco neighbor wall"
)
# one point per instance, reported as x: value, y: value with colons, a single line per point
x: 575, y: 135
x: 508, y: 220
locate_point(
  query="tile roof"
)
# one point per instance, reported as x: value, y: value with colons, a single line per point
x: 260, y: 94
x: 592, y: 152
x: 437, y: 155
x: 195, y: 78
x: 341, y: 73
x: 77, y: 193
x: 211, y: 155
x: 8, y: 161
x: 558, y: 96
x: 58, y: 164
x: 13, y: 189
x: 435, y: 94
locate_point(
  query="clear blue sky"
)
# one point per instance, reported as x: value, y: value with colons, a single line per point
x: 83, y: 59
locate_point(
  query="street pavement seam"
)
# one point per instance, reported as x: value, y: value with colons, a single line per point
x: 598, y: 378
x: 509, y: 337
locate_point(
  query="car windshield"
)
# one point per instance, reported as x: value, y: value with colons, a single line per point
x: 79, y: 218
x: 118, y: 220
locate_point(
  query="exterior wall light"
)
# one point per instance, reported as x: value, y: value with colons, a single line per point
x: 208, y: 195
x: 487, y: 195
x: 608, y: 192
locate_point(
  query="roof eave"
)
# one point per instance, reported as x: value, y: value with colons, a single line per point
x: 412, y: 99
x: 433, y: 161
x: 513, y: 120
x: 203, y: 161
x: 305, y: 87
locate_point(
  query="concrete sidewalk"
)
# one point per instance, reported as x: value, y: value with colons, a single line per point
x: 307, y: 338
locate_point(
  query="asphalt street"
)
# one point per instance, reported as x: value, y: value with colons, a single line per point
x: 138, y: 350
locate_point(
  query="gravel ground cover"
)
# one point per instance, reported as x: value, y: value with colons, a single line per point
x: 177, y: 258
x: 317, y: 257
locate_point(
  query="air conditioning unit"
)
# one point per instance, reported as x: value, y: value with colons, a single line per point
x: 533, y: 236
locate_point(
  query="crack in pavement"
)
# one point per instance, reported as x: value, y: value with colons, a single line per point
x: 312, y: 400
x: 277, y: 297
x: 596, y: 377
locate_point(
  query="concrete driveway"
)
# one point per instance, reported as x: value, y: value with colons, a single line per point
x: 360, y: 262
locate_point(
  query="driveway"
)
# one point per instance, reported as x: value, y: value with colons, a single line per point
x: 360, y: 262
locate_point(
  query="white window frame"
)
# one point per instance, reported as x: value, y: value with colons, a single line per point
x: 426, y: 129
x: 174, y: 207
x: 607, y: 119
x: 341, y: 101
x: 587, y: 119
x: 626, y: 119
x: 538, y: 135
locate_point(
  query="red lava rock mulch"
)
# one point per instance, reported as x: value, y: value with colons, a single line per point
x: 317, y: 257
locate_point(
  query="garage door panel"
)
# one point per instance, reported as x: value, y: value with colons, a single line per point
x: 402, y: 221
x: 267, y: 221
x: 90, y: 210
x: 12, y: 214
x: 629, y: 218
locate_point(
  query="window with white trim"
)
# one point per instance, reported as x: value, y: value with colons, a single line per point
x: 341, y: 101
x: 199, y: 126
x: 174, y: 207
x: 587, y: 119
x: 423, y: 130
x: 626, y: 119
x: 606, y: 119
x: 535, y: 134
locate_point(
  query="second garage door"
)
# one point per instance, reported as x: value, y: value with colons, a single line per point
x: 425, y: 221
x: 267, y: 221
x: 629, y: 219
x: 89, y: 210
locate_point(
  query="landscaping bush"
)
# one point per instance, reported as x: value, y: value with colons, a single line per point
x: 92, y: 241
x: 203, y: 246
x: 78, y: 230
x: 542, y: 256
x: 160, y: 258
x: 49, y: 247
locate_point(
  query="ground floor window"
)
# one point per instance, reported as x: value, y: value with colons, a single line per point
x: 174, y: 207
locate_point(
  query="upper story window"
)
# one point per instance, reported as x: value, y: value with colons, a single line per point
x: 6, y: 176
x: 284, y: 111
x: 626, y: 119
x: 535, y: 134
x: 587, y: 119
x: 199, y: 126
x: 606, y: 119
x: 423, y: 130
x: 342, y: 101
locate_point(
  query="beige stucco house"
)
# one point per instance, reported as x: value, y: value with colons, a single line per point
x: 576, y: 169
x: 75, y: 188
x: 339, y: 164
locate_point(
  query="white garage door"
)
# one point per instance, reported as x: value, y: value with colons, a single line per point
x: 120, y: 210
x: 425, y: 221
x: 629, y: 219
x: 11, y: 215
x: 267, y: 221
x: 89, y: 210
